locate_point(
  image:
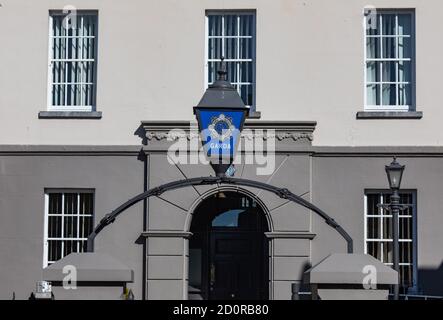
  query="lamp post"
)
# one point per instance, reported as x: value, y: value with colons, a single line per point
x: 220, y: 114
x: 394, y: 172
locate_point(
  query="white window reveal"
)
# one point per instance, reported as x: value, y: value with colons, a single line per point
x: 72, y: 61
x: 379, y: 236
x: 389, y: 59
x: 69, y: 219
x: 231, y: 35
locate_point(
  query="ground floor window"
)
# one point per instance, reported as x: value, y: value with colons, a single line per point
x: 69, y: 220
x: 379, y: 236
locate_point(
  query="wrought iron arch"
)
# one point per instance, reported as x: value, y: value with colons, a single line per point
x: 228, y: 188
x: 280, y: 192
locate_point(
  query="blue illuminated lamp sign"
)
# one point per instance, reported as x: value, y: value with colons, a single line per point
x: 221, y: 114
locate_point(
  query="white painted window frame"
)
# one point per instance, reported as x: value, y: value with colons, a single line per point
x: 253, y: 59
x: 384, y: 214
x: 46, y: 239
x: 78, y: 108
x: 381, y: 107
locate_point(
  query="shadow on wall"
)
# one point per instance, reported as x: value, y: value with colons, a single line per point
x: 431, y: 281
x: 141, y: 133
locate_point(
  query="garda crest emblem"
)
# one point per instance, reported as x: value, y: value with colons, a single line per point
x: 221, y: 127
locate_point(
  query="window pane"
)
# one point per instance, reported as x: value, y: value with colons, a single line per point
x: 245, y: 71
x: 70, y: 203
x: 372, y: 23
x: 246, y: 25
x: 232, y: 71
x: 246, y: 94
x: 386, y: 198
x: 54, y: 226
x: 212, y: 72
x: 87, y: 71
x: 372, y: 202
x: 373, y: 231
x: 70, y: 227
x: 388, y: 21
x: 404, y: 24
x: 404, y: 95
x: 215, y: 48
x: 373, y: 48
x: 387, y: 252
x: 86, y: 203
x: 245, y: 48
x: 373, y: 71
x: 404, y: 47
x: 404, y: 71
x: 69, y: 246
x: 388, y: 71
x: 58, y: 95
x: 373, y: 94
x: 387, y: 228
x: 215, y: 25
x: 58, y: 71
x: 231, y: 48
x: 405, y: 228
x: 374, y: 249
x: 389, y: 48
x: 55, y: 203
x: 388, y: 94
x: 88, y: 95
x: 89, y: 28
x: 85, y: 227
x: 54, y: 250
x: 406, y: 276
x: 405, y: 249
x: 231, y: 25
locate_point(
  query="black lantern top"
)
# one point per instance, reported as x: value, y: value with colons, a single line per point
x: 221, y: 114
x: 394, y: 172
x: 221, y: 94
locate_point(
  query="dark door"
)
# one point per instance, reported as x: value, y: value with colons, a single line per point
x: 228, y: 250
x: 235, y: 265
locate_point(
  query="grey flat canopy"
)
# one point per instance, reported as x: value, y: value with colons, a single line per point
x: 341, y: 268
x: 91, y: 267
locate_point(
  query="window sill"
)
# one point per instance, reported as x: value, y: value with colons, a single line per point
x: 254, y: 115
x: 363, y: 115
x: 69, y: 115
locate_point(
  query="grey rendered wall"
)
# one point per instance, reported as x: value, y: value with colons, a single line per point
x: 23, y: 179
x: 290, y: 225
x: 338, y: 187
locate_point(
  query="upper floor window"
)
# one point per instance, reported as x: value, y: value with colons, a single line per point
x: 389, y: 59
x: 231, y: 35
x: 379, y: 236
x: 72, y: 61
x: 69, y: 219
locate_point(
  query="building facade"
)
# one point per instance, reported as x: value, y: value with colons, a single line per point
x: 93, y: 91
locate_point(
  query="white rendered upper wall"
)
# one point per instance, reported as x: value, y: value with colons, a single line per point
x: 151, y: 66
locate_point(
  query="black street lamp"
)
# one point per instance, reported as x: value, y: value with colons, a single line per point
x: 394, y: 172
x: 221, y: 114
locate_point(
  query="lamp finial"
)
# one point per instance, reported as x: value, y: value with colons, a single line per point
x: 222, y: 72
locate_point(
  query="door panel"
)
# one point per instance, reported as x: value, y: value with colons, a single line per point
x: 235, y: 265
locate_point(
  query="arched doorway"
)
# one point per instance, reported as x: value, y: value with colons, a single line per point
x: 228, y: 252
